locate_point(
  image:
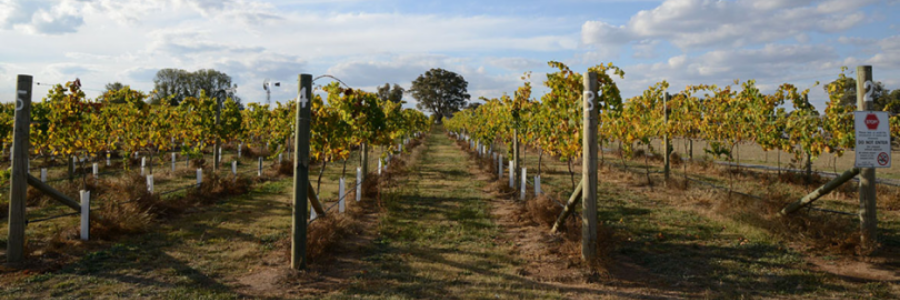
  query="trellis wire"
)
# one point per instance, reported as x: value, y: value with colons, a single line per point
x: 339, y: 200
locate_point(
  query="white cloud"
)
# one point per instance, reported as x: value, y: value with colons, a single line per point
x: 377, y: 71
x: 692, y: 24
x: 889, y: 57
x: 69, y: 70
x: 520, y: 64
x: 403, y: 69
x: 854, y: 40
x: 645, y: 49
x: 770, y: 66
x: 259, y: 65
x: 188, y: 42
x: 41, y: 17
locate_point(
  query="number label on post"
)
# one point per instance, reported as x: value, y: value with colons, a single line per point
x: 590, y: 99
x: 301, y: 97
x: 870, y: 90
x: 19, y: 102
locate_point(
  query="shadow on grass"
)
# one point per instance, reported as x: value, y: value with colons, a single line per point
x: 132, y: 263
x: 692, y: 256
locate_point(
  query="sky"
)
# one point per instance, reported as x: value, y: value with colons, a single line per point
x: 367, y: 43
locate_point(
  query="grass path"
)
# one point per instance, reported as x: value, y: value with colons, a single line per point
x: 440, y: 236
x: 438, y: 239
x: 191, y: 257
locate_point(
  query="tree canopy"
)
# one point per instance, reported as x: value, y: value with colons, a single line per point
x: 440, y: 91
x: 883, y: 96
x: 386, y: 93
x: 175, y: 85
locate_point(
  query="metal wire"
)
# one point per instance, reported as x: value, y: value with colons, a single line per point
x: 833, y: 211
x: 768, y: 168
x: 338, y: 201
x: 51, y: 218
x: 178, y: 189
x: 726, y: 189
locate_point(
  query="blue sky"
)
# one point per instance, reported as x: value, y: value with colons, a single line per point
x: 490, y: 43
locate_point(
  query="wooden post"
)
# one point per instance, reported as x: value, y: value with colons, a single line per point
x: 358, y: 184
x: 569, y: 207
x: 819, y: 192
x: 808, y: 167
x: 53, y: 194
x: 589, y: 169
x: 314, y: 199
x: 301, y: 173
x: 259, y: 168
x: 868, y: 219
x: 514, y: 166
x: 85, y: 215
x: 71, y: 167
x: 217, y: 152
x: 364, y: 151
x: 666, y: 167
x: 18, y: 182
x: 691, y: 150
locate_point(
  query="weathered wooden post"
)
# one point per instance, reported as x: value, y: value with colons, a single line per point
x: 666, y: 167
x: 364, y: 159
x: 868, y: 219
x: 259, y: 167
x: 18, y: 182
x: 301, y: 173
x: 71, y: 167
x: 515, y: 165
x: 589, y: 169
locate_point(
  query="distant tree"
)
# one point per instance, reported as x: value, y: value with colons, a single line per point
x: 110, y: 96
x: 891, y: 101
x: 114, y: 86
x: 473, y: 105
x: 441, y: 92
x: 122, y: 94
x: 883, y: 96
x: 386, y: 93
x: 177, y: 84
x: 173, y: 84
x: 212, y: 81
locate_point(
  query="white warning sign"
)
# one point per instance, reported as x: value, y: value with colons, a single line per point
x: 873, y: 139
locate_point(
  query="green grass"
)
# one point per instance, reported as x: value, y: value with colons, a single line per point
x: 694, y: 248
x: 196, y: 255
x: 436, y: 239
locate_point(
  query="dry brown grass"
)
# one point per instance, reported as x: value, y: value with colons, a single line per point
x: 198, y: 163
x: 285, y: 168
x: 678, y: 183
x: 256, y: 152
x: 370, y: 186
x: 570, y: 245
x: 63, y: 242
x: 35, y: 198
x: 217, y: 186
x: 675, y: 159
x: 543, y: 210
x: 889, y: 194
x: 325, y: 233
x: 120, y: 219
x: 814, y: 231
x: 502, y: 188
